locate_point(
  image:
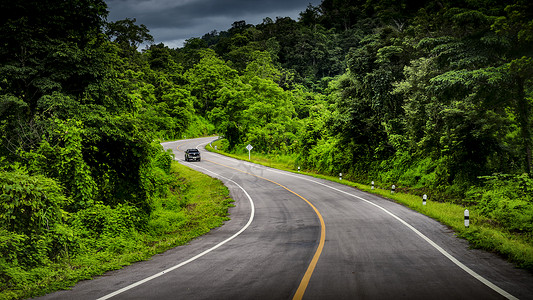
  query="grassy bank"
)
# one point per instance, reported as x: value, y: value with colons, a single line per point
x: 194, y: 204
x: 482, y: 233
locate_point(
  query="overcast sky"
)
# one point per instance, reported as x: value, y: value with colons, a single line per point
x: 174, y: 21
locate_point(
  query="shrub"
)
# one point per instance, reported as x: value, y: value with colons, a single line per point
x: 163, y: 160
x: 508, y: 200
x: 102, y: 228
x: 10, y: 245
x: 155, y: 175
x: 61, y: 157
x: 29, y: 204
x: 102, y: 220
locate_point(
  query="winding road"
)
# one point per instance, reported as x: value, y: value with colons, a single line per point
x: 292, y: 236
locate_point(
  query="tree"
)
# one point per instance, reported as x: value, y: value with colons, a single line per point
x: 127, y: 34
x: 49, y: 46
x: 517, y: 27
x: 160, y: 58
x: 465, y: 101
x: 65, y: 102
x: 367, y: 115
x: 206, y: 78
x: 521, y: 71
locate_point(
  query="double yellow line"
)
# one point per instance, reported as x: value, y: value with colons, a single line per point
x: 310, y: 269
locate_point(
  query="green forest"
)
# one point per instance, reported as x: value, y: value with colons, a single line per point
x: 433, y: 96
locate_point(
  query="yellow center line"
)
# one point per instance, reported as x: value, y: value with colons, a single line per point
x: 307, y: 276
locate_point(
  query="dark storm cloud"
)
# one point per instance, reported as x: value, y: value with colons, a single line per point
x: 174, y: 21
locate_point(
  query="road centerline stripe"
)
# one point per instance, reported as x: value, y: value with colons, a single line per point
x: 458, y: 263
x: 310, y: 269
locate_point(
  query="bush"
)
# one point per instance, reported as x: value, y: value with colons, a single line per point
x: 102, y: 220
x: 198, y: 127
x: 61, y: 157
x: 155, y: 175
x: 103, y: 228
x: 29, y: 204
x: 508, y: 200
x: 10, y: 245
x: 163, y: 160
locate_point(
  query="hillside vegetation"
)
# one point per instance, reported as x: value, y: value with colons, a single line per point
x: 432, y: 96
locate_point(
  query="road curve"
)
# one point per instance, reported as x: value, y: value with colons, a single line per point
x: 294, y: 236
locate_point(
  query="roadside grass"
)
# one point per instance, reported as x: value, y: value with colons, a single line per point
x: 196, y: 204
x: 481, y: 234
x: 203, y: 205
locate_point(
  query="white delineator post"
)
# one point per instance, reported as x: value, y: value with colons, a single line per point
x: 298, y: 168
x: 340, y: 176
x: 393, y: 189
x: 372, y: 185
x: 467, y: 218
x: 424, y: 198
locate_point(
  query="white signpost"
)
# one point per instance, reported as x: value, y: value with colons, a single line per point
x: 249, y: 147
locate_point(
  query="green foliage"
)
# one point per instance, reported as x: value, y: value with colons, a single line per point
x: 101, y: 238
x: 127, y: 34
x: 199, y: 126
x: 155, y: 175
x: 507, y: 199
x: 64, y: 161
x: 52, y: 50
x: 434, y: 96
x: 168, y: 215
x: 29, y: 204
x: 109, y: 229
x: 206, y: 78
x: 85, y: 187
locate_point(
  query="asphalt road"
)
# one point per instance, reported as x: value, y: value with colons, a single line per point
x: 293, y: 236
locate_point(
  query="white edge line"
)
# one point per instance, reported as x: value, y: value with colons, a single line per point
x: 252, y: 213
x: 424, y: 237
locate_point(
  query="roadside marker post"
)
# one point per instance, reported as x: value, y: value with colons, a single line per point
x: 249, y: 147
x: 467, y: 218
x: 393, y: 189
x: 298, y: 168
x: 372, y: 185
x: 424, y: 198
x: 340, y: 176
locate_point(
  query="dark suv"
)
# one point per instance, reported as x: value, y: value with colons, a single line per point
x: 192, y: 154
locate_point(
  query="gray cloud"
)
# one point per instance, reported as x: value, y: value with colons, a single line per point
x: 173, y: 21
